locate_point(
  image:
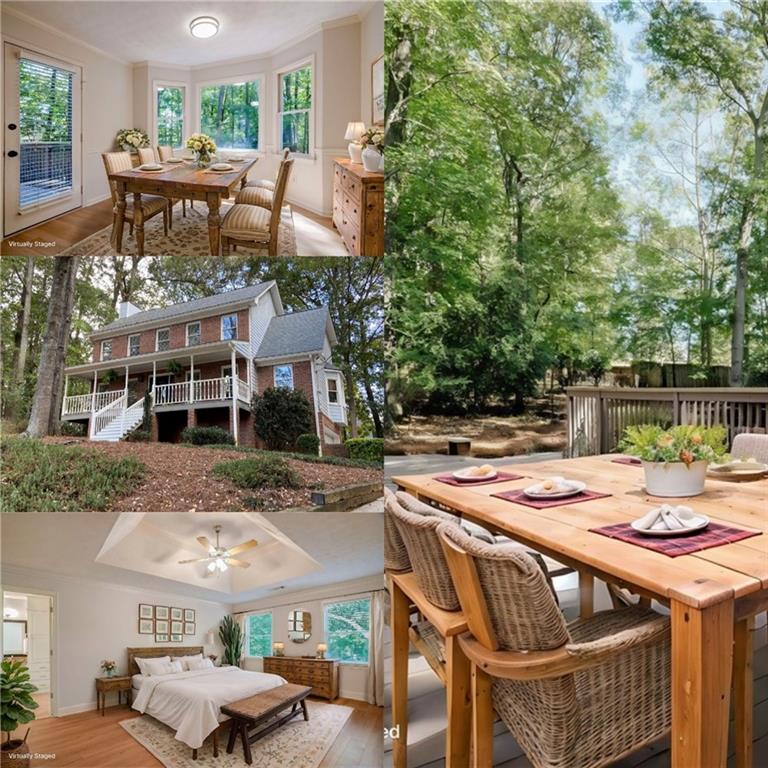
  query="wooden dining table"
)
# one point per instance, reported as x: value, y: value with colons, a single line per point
x: 713, y: 595
x: 178, y: 181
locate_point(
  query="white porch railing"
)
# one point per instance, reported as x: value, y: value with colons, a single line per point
x: 75, y: 404
x: 199, y: 391
x: 108, y: 414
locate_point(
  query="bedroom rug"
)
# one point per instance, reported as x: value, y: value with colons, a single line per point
x: 297, y: 744
x: 189, y: 236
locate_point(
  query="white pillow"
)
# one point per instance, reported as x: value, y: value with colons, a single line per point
x: 186, y: 659
x: 143, y: 663
x: 199, y: 664
x: 158, y: 667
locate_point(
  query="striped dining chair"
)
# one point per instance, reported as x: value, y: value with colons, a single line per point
x: 268, y: 184
x: 163, y: 154
x: 147, y: 155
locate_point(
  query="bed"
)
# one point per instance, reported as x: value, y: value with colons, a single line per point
x: 190, y: 702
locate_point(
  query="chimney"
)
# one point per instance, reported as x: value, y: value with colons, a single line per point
x: 126, y: 309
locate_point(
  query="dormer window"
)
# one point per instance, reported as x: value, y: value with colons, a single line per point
x: 333, y: 390
x: 228, y: 327
x: 193, y: 334
x: 106, y: 349
x: 163, y: 339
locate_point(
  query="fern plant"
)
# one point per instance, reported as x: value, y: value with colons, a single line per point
x: 684, y: 443
x: 16, y: 691
x: 231, y: 635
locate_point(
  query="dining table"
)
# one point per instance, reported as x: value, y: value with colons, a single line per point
x: 176, y: 181
x: 713, y: 595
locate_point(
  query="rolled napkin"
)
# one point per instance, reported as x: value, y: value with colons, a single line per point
x: 668, y: 518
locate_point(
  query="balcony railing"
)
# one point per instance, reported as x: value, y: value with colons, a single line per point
x: 199, y: 391
x: 75, y: 404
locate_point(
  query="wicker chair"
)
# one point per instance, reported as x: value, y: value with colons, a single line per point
x: 396, y: 558
x: 163, y: 153
x: 747, y: 445
x: 252, y: 225
x: 268, y: 184
x: 573, y: 695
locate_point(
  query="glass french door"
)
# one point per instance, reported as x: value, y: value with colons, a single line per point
x: 43, y: 141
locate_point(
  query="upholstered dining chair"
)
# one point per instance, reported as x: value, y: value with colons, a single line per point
x: 151, y: 205
x: 252, y: 225
x: 582, y: 693
x: 259, y: 195
x: 748, y: 445
x: 268, y: 184
x: 147, y: 155
x: 163, y: 153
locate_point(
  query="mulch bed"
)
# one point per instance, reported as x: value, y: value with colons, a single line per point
x: 179, y: 479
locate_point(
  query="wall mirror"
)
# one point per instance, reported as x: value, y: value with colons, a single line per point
x: 299, y: 626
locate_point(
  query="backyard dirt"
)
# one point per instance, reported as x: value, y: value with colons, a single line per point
x: 179, y: 478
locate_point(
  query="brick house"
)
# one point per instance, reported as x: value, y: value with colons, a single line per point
x: 199, y: 364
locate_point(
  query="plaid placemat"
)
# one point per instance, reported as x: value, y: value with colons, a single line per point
x: 626, y: 460
x: 501, y: 477
x: 519, y: 497
x: 714, y: 535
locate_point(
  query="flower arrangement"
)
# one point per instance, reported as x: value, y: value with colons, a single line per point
x: 203, y: 146
x: 108, y: 667
x: 373, y: 138
x: 685, y: 444
x: 132, y: 139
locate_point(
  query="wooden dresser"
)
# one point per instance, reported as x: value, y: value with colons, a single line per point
x: 321, y: 674
x: 358, y: 207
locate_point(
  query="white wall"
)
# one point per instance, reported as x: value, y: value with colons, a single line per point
x: 371, y: 47
x: 95, y: 621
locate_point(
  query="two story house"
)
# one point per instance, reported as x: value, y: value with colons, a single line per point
x: 200, y: 362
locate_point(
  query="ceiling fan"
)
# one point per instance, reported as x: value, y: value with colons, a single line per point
x: 219, y: 557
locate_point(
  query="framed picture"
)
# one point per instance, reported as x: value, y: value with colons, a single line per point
x: 176, y: 627
x: 146, y: 611
x: 177, y: 638
x: 162, y: 611
x: 177, y: 614
x: 377, y: 91
x: 161, y: 638
x: 146, y: 627
x: 161, y: 627
x: 189, y: 628
x: 189, y: 614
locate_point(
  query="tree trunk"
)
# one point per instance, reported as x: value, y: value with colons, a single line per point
x: 351, y: 400
x: 26, y: 311
x: 50, y: 372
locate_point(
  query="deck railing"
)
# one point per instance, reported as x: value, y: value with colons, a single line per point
x: 75, y: 404
x: 597, y: 416
x: 108, y: 414
x: 200, y: 390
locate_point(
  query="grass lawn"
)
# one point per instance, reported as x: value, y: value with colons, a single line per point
x: 40, y: 477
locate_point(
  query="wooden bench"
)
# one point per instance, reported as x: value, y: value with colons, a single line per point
x: 257, y: 715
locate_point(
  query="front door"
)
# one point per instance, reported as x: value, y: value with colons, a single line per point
x: 41, y: 166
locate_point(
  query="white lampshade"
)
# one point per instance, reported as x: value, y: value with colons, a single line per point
x: 204, y: 26
x: 354, y: 131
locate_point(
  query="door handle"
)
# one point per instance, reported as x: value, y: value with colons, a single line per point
x: 13, y: 153
x: 12, y: 126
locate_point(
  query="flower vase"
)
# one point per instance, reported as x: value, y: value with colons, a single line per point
x: 675, y: 478
x: 203, y: 159
x: 371, y: 159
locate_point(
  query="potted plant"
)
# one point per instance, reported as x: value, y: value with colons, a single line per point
x: 203, y: 146
x: 174, y: 367
x: 132, y: 139
x: 16, y: 711
x: 674, y: 460
x: 108, y: 667
x: 231, y: 635
x: 373, y: 148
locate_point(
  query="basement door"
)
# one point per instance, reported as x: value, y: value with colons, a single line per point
x: 42, y: 138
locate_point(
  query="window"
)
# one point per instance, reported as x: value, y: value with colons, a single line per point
x: 284, y: 376
x: 229, y: 114
x: 169, y: 115
x: 347, y: 630
x: 193, y: 334
x: 333, y: 390
x: 163, y: 339
x: 134, y: 345
x: 258, y: 630
x: 228, y: 327
x: 294, y: 110
x: 106, y: 349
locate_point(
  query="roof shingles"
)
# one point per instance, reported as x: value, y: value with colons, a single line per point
x: 295, y: 333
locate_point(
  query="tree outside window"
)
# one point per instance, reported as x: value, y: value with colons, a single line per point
x: 106, y: 350
x: 259, y: 634
x: 284, y: 376
x: 228, y: 327
x: 170, y: 116
x: 229, y: 114
x: 348, y: 630
x: 295, y: 108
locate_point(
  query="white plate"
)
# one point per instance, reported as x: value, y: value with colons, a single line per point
x: 221, y: 167
x: 236, y: 160
x: 574, y: 487
x: 679, y: 532
x: 734, y: 467
x: 465, y: 478
x: 174, y: 160
x: 150, y: 168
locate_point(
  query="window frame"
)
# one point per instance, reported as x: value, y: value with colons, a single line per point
x: 326, y: 637
x: 259, y: 78
x: 237, y: 326
x: 156, y: 84
x: 274, y: 376
x: 335, y: 379
x: 138, y: 348
x: 157, y: 339
x: 101, y: 352
x: 269, y: 612
x: 199, y: 324
x: 278, y: 75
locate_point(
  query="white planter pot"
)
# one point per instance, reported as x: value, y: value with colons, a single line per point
x: 371, y: 159
x: 675, y: 479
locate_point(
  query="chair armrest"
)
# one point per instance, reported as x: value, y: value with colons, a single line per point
x: 649, y: 631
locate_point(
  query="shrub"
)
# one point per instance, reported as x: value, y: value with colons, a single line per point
x: 262, y: 472
x: 207, y: 436
x: 138, y: 436
x: 366, y: 448
x: 308, y: 443
x: 72, y: 429
x: 280, y: 416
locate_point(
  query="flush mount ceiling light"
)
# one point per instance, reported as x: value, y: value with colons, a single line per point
x: 204, y: 26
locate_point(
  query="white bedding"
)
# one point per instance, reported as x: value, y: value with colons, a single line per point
x: 189, y: 702
x: 137, y: 680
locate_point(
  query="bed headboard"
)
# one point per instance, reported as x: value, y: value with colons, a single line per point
x: 155, y: 652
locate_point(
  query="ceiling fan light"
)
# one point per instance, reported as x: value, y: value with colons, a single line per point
x: 221, y: 565
x: 203, y: 27
x: 212, y: 567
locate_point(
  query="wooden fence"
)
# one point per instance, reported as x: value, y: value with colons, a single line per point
x: 597, y: 416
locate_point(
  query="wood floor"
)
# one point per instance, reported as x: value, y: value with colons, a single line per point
x: 88, y: 740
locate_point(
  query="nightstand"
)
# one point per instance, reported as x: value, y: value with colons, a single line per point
x: 117, y: 683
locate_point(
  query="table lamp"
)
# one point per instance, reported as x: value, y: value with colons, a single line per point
x: 278, y: 648
x: 355, y: 148
x: 321, y: 649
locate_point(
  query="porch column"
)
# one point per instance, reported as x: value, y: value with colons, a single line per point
x: 64, y: 399
x: 154, y: 380
x: 190, y: 390
x: 125, y: 391
x: 248, y: 366
x: 235, y: 409
x: 91, y: 420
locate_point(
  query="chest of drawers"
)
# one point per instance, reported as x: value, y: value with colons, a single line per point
x: 322, y: 675
x: 358, y: 208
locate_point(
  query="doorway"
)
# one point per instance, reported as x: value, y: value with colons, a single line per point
x: 42, y: 162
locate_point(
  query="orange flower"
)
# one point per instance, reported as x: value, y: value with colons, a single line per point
x: 696, y: 439
x: 686, y: 456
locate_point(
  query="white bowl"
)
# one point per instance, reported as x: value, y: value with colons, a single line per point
x: 573, y: 487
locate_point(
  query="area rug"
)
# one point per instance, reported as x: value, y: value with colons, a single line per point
x: 297, y: 744
x: 189, y: 236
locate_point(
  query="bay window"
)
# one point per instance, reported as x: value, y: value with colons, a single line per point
x: 169, y: 115
x: 295, y: 109
x: 230, y: 113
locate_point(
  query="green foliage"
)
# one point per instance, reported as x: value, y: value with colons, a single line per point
x: 259, y: 633
x: 60, y: 478
x: 207, y: 436
x: 280, y: 416
x: 72, y: 429
x: 16, y: 692
x: 685, y: 443
x: 170, y: 116
x: 296, y: 101
x: 308, y: 443
x: 138, y: 435
x: 45, y: 94
x: 338, y: 461
x: 347, y: 630
x: 231, y: 636
x: 366, y: 448
x: 267, y: 471
x: 230, y: 114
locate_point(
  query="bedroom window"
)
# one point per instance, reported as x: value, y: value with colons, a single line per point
x: 259, y: 633
x: 134, y: 345
x: 106, y: 349
x: 283, y: 377
x: 347, y: 630
x: 228, y: 327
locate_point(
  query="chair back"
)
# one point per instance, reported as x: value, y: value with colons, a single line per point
x: 164, y: 153
x: 750, y: 446
x: 147, y: 155
x: 395, y: 554
x: 277, y: 197
x: 114, y: 162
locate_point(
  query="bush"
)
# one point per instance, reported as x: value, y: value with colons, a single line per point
x: 72, y: 429
x: 138, y: 436
x: 207, y: 436
x: 337, y: 461
x: 263, y: 472
x: 280, y: 416
x: 366, y: 448
x: 308, y: 443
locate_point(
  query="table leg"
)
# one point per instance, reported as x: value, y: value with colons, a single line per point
x: 130, y: 697
x: 399, y: 622
x: 702, y: 657
x: 214, y: 223
x: 246, y: 743
x: 232, y: 735
x: 459, y: 704
x: 586, y: 595
x: 120, y: 215
x: 482, y: 719
x: 216, y: 742
x: 304, y: 709
x: 743, y: 686
x: 138, y: 223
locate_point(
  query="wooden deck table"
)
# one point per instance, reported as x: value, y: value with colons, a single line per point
x: 713, y: 595
x: 180, y: 180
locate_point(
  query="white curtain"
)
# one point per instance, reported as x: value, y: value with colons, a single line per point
x: 241, y: 620
x: 376, y: 650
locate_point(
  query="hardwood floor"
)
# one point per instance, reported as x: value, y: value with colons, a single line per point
x: 88, y: 740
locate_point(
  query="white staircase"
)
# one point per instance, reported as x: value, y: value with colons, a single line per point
x: 114, y: 421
